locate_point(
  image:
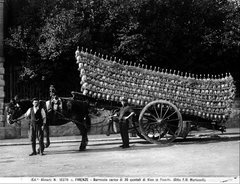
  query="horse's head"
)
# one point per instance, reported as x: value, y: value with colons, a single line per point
x: 13, y: 112
x: 17, y: 109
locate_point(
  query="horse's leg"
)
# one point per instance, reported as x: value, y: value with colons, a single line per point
x: 84, y: 141
x: 47, y: 144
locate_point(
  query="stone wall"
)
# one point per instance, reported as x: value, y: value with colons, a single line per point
x: 99, y: 126
x: 2, y: 71
x: 2, y: 94
x: 20, y: 130
x: 234, y: 120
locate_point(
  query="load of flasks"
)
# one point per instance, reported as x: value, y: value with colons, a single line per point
x: 202, y: 96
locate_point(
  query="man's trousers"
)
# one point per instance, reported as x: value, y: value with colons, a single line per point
x: 36, y: 132
x: 124, y: 126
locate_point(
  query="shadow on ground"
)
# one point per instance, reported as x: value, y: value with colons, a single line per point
x: 137, y: 144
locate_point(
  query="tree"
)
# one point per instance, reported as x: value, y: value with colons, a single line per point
x: 198, y: 36
x: 188, y: 35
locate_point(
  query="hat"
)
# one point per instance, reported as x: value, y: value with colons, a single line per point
x: 35, y: 99
x: 52, y: 89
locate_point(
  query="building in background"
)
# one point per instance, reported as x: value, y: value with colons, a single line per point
x: 3, y: 20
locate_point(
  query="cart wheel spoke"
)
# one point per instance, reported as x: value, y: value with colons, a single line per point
x: 160, y: 122
x: 156, y: 111
x: 172, y: 133
x: 160, y: 110
x: 149, y: 118
x: 170, y: 115
x: 172, y: 120
x: 165, y: 112
x: 152, y: 115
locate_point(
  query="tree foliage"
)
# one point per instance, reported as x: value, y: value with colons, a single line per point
x: 197, y: 36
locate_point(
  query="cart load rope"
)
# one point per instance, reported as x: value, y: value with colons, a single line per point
x: 204, y: 97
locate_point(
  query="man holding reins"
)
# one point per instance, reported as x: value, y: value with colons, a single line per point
x: 37, y: 117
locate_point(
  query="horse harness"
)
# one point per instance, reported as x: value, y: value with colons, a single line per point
x: 63, y: 117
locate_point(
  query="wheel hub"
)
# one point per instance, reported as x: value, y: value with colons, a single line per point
x: 159, y: 121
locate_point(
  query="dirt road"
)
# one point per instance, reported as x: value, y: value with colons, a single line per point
x: 189, y: 158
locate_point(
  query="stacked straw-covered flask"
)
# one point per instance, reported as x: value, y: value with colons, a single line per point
x: 205, y: 96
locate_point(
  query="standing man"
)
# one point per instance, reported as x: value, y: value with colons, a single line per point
x: 37, y: 117
x: 54, y: 105
x: 125, y: 114
x: 54, y: 99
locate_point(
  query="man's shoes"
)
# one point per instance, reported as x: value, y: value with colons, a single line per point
x: 33, y: 153
x: 124, y: 146
x: 42, y: 154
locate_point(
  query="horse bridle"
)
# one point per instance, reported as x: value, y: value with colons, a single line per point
x: 17, y: 109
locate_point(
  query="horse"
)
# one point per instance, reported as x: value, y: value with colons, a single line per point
x: 71, y: 111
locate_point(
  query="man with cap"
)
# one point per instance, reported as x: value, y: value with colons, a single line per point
x: 37, y: 117
x: 125, y: 114
x: 55, y: 103
x: 54, y: 99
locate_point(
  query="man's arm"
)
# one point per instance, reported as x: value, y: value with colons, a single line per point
x: 27, y: 114
x: 43, y: 116
x: 132, y: 113
x: 129, y: 109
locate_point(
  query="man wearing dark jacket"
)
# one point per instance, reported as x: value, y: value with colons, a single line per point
x: 125, y: 114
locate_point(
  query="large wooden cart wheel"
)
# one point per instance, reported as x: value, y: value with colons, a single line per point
x: 160, y: 122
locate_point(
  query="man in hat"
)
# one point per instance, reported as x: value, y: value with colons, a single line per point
x: 125, y: 114
x: 37, y: 117
x: 54, y: 105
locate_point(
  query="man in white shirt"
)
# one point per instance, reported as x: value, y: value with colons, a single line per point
x: 37, y: 117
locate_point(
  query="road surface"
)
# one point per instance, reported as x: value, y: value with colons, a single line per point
x: 192, y: 157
